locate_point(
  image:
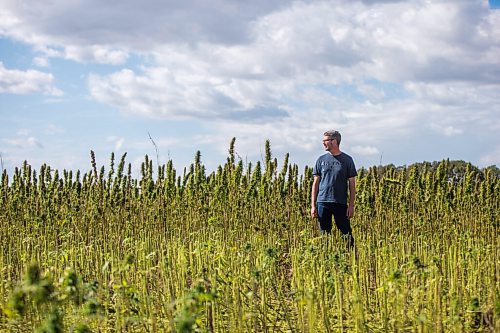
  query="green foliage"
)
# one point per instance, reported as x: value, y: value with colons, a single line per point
x: 192, y: 308
x: 52, y: 323
x: 235, y: 250
x: 38, y: 295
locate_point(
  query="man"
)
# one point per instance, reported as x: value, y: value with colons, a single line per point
x: 334, y: 173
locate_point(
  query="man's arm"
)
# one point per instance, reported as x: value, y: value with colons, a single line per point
x: 314, y: 195
x: 352, y: 197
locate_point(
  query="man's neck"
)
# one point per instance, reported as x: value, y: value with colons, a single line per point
x: 335, y: 152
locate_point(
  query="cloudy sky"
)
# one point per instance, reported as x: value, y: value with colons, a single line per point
x: 403, y: 81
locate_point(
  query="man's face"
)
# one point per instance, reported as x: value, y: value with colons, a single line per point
x: 328, y: 142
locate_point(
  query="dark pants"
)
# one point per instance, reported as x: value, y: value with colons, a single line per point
x: 339, y: 212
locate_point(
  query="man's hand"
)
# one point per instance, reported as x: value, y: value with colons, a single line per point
x: 314, y: 195
x: 314, y: 213
x: 350, y: 211
x: 352, y: 197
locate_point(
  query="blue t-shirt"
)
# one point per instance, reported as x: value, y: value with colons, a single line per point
x: 334, y: 172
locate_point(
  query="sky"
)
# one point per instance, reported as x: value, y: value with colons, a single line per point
x: 403, y: 81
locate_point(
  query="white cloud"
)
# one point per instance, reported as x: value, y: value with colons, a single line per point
x: 371, y: 92
x: 24, y: 142
x: 23, y: 139
x: 376, y: 70
x: 110, y: 29
x: 365, y: 150
x: 41, y: 61
x: 33, y: 142
x: 454, y: 93
x: 96, y: 54
x: 446, y: 130
x: 320, y: 45
x: 119, y: 144
x: 54, y: 130
x: 388, y: 40
x: 23, y: 132
x: 162, y: 92
x: 116, y: 141
x: 491, y: 158
x: 27, y: 82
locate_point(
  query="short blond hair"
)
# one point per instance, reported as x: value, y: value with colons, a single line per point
x: 333, y: 135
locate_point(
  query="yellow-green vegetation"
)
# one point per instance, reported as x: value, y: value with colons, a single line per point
x: 236, y: 250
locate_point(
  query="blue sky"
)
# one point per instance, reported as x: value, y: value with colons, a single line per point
x: 403, y: 81
x: 494, y: 4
